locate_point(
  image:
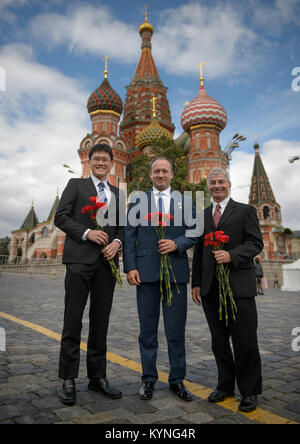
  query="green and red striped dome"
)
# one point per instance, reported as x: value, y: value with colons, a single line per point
x: 105, y: 98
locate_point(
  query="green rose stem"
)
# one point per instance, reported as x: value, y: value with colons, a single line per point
x: 165, y: 266
x: 114, y: 269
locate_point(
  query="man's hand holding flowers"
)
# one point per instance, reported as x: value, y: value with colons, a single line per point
x: 166, y: 246
x: 222, y: 256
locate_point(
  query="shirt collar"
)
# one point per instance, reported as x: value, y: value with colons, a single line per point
x: 97, y: 181
x: 164, y: 192
x: 223, y: 203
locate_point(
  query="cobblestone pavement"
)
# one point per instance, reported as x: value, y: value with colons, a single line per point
x: 29, y: 385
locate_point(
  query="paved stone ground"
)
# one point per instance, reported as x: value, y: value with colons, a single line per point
x: 29, y: 385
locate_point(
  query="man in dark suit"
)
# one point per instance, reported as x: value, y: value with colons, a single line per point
x: 86, y: 252
x: 238, y: 221
x: 142, y: 252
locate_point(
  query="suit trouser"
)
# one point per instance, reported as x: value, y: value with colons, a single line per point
x: 82, y: 280
x: 245, y: 365
x: 148, y: 303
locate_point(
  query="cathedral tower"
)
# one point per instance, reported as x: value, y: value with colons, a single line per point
x: 276, y: 237
x: 105, y: 108
x: 144, y: 86
x: 203, y: 119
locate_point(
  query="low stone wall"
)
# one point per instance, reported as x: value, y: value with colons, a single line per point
x: 271, y: 268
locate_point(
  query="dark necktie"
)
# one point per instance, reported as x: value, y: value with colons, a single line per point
x: 217, y: 215
x: 161, y: 207
x: 101, y: 192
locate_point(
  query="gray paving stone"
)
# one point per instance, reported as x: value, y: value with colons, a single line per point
x: 29, y: 384
x: 198, y: 418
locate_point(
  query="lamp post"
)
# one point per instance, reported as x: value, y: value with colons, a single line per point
x: 233, y: 144
x: 71, y: 170
x: 294, y: 158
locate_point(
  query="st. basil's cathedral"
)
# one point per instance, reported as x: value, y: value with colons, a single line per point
x: 146, y: 116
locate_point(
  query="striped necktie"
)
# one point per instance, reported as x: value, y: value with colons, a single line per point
x: 101, y: 193
x: 217, y: 215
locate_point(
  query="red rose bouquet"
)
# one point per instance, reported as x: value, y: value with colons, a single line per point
x: 159, y: 221
x: 216, y: 241
x: 91, y: 211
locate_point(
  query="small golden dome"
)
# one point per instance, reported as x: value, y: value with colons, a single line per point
x: 146, y: 27
x: 151, y: 134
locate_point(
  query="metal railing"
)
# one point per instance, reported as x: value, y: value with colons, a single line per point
x: 42, y: 266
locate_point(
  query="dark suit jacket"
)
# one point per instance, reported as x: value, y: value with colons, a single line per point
x: 239, y: 221
x: 70, y: 219
x: 141, y: 247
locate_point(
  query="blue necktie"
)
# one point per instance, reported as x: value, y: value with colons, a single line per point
x: 161, y: 207
x: 101, y: 193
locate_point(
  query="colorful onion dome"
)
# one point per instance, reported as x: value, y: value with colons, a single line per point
x: 151, y: 134
x: 203, y: 110
x: 105, y: 98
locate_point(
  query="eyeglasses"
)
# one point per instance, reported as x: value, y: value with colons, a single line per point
x: 100, y: 159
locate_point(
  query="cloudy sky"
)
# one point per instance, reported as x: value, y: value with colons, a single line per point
x: 51, y: 60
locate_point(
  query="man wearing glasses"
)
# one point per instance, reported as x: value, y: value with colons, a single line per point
x: 86, y: 252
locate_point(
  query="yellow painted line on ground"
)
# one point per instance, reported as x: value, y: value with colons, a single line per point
x: 259, y: 415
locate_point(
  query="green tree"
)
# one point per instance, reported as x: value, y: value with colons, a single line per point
x: 4, y: 242
x: 139, y: 172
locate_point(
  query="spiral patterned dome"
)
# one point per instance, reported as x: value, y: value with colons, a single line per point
x: 203, y: 110
x: 105, y: 98
x: 152, y: 134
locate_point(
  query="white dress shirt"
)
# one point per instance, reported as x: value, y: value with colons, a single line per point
x: 107, y: 191
x: 166, y: 197
x: 223, y: 205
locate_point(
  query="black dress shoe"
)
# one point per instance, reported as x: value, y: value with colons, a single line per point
x: 68, y: 393
x: 248, y: 403
x: 181, y: 391
x: 146, y: 391
x: 220, y: 395
x: 103, y: 386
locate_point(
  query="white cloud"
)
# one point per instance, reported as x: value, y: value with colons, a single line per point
x: 88, y: 29
x: 284, y: 177
x: 273, y: 18
x: 7, y: 3
x: 187, y: 35
x: 216, y: 35
x: 43, y: 118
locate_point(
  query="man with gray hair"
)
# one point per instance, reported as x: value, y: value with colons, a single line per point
x: 239, y: 222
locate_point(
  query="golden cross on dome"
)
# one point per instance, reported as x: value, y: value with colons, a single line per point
x: 146, y: 12
x: 201, y: 72
x: 153, y: 100
x: 105, y: 71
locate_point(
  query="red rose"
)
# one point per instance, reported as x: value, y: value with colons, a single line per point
x: 87, y: 209
x: 219, y: 233
x: 100, y: 205
x: 225, y: 239
x: 167, y: 216
x: 93, y: 199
